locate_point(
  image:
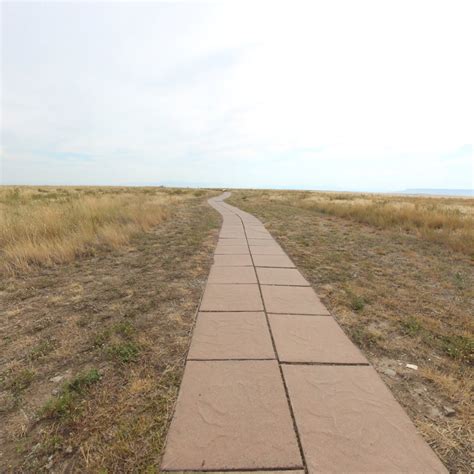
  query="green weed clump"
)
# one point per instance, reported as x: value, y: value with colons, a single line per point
x: 124, y: 352
x: 67, y: 401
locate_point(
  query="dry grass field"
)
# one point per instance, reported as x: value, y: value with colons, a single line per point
x: 397, y: 273
x: 98, y: 290
x: 42, y: 226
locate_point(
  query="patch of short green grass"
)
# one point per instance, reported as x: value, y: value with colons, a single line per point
x: 459, y: 347
x: 124, y: 328
x: 117, y: 342
x: 99, y: 339
x: 20, y: 381
x: 42, y: 349
x: 124, y: 352
x: 65, y: 403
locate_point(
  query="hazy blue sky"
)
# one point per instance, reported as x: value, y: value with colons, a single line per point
x: 330, y: 95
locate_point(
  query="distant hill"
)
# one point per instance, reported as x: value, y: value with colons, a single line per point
x: 441, y: 192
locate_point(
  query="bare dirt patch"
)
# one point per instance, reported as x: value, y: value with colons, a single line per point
x: 92, y: 352
x: 402, y: 296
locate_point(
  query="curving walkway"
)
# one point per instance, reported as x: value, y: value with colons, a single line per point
x: 273, y: 383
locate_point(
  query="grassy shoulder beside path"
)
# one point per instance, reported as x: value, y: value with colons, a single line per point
x: 92, y: 346
x: 397, y: 273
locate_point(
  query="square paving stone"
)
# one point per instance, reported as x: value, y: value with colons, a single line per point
x: 348, y: 421
x: 312, y: 339
x: 231, y: 250
x: 231, y: 298
x: 231, y: 221
x: 232, y: 260
x: 232, y: 227
x: 251, y: 234
x: 231, y: 336
x: 281, y: 276
x: 231, y: 415
x: 293, y: 300
x: 231, y: 242
x: 255, y: 227
x: 264, y: 242
x: 266, y: 250
x: 232, y: 275
x: 277, y: 261
x: 232, y: 234
x: 248, y: 221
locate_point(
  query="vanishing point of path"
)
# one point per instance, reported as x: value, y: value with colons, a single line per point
x: 271, y: 380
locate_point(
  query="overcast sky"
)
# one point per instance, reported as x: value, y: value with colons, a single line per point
x: 348, y: 95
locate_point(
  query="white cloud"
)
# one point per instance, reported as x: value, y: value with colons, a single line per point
x: 353, y: 95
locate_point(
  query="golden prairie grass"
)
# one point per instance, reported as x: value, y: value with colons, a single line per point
x: 448, y: 221
x: 44, y: 226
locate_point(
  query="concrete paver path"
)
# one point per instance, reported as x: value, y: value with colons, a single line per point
x: 271, y: 380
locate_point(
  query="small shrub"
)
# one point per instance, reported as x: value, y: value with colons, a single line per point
x: 412, y: 326
x: 357, y: 303
x: 364, y: 338
x: 459, y: 281
x: 84, y: 380
x: 124, y: 352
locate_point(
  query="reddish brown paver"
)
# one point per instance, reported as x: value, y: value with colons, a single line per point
x: 349, y: 421
x: 232, y: 242
x: 231, y: 298
x: 232, y: 275
x: 232, y: 232
x: 312, y: 339
x: 232, y: 228
x: 256, y: 226
x: 232, y: 260
x: 231, y: 415
x: 232, y: 235
x: 281, y: 276
x: 233, y: 411
x: 278, y: 261
x: 293, y: 300
x: 253, y: 234
x: 231, y: 250
x: 231, y: 336
x: 266, y: 250
x: 264, y: 242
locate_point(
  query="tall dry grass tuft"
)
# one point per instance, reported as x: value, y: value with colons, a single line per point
x: 56, y: 226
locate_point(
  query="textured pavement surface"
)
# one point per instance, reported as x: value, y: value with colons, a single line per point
x: 271, y: 380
